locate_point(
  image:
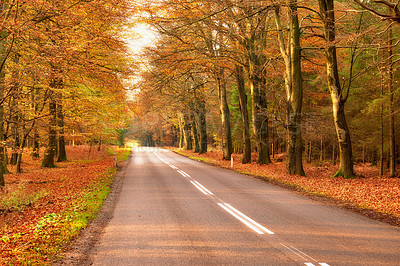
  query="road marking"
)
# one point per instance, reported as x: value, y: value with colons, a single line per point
x: 159, y: 157
x: 183, y: 173
x: 302, y: 255
x: 201, y: 187
x: 258, y: 228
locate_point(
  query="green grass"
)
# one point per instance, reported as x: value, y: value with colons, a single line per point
x: 206, y: 160
x: 55, y: 231
x: 19, y: 199
x: 124, y: 155
x: 201, y: 159
x: 121, y: 153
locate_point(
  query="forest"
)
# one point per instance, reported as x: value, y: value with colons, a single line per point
x: 295, y: 91
x: 64, y: 68
x: 314, y: 80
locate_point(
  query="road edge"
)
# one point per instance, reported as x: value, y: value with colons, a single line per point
x: 79, y: 250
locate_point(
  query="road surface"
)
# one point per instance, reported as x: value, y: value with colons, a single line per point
x: 176, y: 211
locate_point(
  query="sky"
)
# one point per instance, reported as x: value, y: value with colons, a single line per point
x: 144, y: 36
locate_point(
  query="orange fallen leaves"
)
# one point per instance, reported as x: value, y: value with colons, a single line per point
x: 62, y: 185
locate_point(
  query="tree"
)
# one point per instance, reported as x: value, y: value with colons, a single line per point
x: 376, y: 6
x: 244, y: 114
x: 71, y: 50
x: 327, y: 13
x: 291, y: 53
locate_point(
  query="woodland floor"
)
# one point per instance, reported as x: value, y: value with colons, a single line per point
x: 370, y: 194
x: 33, y: 199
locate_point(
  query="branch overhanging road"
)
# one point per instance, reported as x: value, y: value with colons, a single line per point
x: 176, y: 211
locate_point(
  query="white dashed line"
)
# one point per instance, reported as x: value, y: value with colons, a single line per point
x: 258, y: 228
x: 200, y: 188
x: 205, y: 189
x: 183, y: 173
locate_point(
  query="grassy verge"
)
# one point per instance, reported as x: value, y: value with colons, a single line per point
x: 206, y: 160
x: 20, y: 199
x: 39, y: 219
x: 54, y: 231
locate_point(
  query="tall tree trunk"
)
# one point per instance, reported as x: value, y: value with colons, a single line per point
x: 181, y: 143
x: 259, y: 104
x: 17, y: 144
x: 3, y: 56
x: 381, y: 170
x: 195, y: 136
x: 260, y: 120
x: 291, y: 54
x: 202, y: 125
x: 244, y: 114
x: 225, y: 116
x: 36, y: 145
x: 187, y: 125
x: 392, y: 140
x: 336, y: 91
x: 62, y: 154
x: 98, y: 147
x: 199, y: 119
x: 50, y: 152
x: 321, y: 150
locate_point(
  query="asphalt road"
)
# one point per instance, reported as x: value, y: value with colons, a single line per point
x: 175, y: 211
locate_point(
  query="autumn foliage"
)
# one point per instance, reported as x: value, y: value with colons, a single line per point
x: 314, y: 79
x: 63, y: 71
x: 43, y: 209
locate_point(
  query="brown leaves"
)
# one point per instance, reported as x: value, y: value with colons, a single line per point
x: 63, y: 186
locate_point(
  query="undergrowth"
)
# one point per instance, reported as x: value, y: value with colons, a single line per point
x: 54, y: 231
x: 19, y: 199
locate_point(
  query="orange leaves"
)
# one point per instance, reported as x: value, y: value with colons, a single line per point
x: 20, y: 229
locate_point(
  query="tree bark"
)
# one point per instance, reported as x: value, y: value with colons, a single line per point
x: 195, y: 136
x: 17, y: 144
x: 244, y: 114
x: 187, y: 125
x: 225, y: 116
x: 382, y: 140
x: 61, y: 154
x: 336, y: 91
x: 199, y: 119
x: 181, y: 131
x: 50, y: 152
x: 3, y: 56
x: 201, y: 125
x: 36, y: 145
x: 259, y: 103
x: 392, y: 139
x: 291, y: 54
